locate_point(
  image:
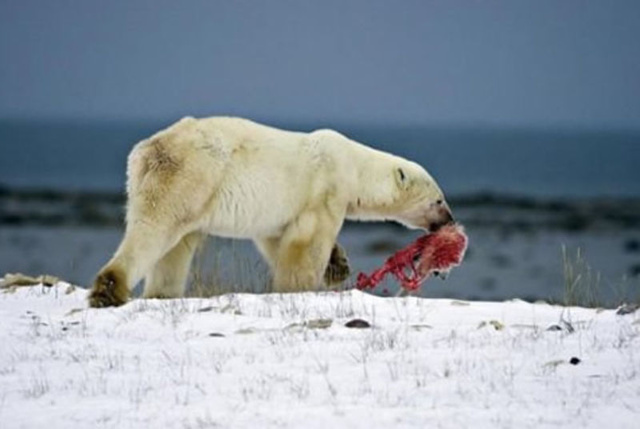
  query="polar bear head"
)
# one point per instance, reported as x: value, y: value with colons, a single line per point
x: 394, y: 188
x: 419, y: 202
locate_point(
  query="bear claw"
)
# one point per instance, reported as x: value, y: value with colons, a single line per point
x: 338, y: 269
x: 109, y: 290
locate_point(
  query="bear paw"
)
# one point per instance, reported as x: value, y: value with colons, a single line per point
x: 338, y: 269
x: 109, y: 290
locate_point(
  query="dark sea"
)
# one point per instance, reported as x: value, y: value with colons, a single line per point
x: 527, y: 162
x: 568, y: 199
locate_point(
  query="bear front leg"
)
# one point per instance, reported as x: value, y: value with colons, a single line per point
x: 338, y: 269
x: 303, y: 253
x: 296, y: 270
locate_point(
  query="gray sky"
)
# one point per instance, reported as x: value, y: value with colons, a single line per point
x: 533, y: 63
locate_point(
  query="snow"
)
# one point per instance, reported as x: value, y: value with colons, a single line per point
x: 270, y: 361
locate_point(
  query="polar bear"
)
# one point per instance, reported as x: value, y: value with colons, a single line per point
x: 289, y: 192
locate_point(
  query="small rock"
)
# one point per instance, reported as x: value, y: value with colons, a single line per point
x: 554, y: 363
x: 73, y: 311
x: 498, y: 326
x: 245, y: 331
x: 231, y: 309
x: 421, y: 327
x: 216, y: 335
x: 205, y: 309
x: 554, y: 328
x: 318, y: 323
x: 574, y: 361
x: 358, y: 324
x: 310, y: 324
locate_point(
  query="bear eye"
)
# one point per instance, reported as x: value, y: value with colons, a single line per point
x: 402, y: 175
x: 439, y: 202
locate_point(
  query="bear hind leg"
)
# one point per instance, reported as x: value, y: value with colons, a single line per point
x: 165, y: 204
x: 142, y: 247
x: 110, y: 288
x: 168, y: 278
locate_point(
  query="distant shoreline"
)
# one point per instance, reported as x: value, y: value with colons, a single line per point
x: 545, y: 162
x: 50, y: 207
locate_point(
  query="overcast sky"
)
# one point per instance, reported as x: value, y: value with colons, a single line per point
x: 533, y: 63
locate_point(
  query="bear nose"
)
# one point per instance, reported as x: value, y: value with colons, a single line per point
x: 448, y: 218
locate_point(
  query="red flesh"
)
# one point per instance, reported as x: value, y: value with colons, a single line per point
x: 411, y: 266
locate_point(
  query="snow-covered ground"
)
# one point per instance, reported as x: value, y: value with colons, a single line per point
x: 262, y: 361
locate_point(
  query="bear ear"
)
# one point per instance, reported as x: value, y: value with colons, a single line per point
x: 401, y: 178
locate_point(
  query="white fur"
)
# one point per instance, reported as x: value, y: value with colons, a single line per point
x: 288, y: 191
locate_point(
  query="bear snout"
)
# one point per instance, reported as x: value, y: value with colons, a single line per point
x: 429, y: 218
x: 442, y: 217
